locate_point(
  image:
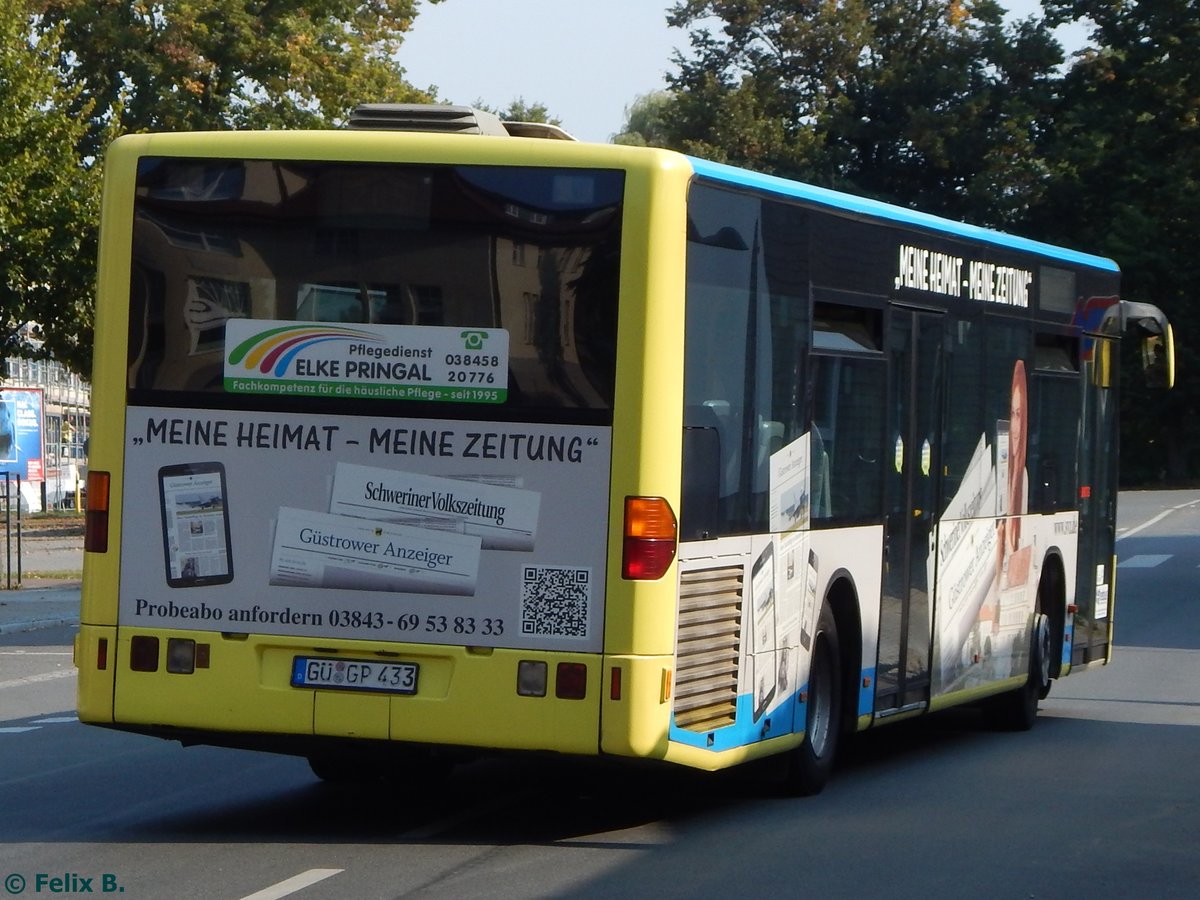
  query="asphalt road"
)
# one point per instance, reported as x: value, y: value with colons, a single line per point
x: 1099, y: 800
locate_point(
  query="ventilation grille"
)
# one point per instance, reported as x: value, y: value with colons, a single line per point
x: 425, y: 117
x: 706, y: 664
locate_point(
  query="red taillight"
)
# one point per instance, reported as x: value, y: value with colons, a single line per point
x: 95, y: 520
x: 650, y: 532
x: 143, y: 654
x: 570, y: 681
x: 102, y: 654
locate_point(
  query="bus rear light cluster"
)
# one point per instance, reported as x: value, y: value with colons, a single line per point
x: 95, y: 520
x: 184, y: 656
x: 650, y: 533
x: 531, y: 678
x: 181, y: 656
x: 570, y: 679
x: 143, y: 654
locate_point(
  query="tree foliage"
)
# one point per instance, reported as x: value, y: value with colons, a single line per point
x: 74, y: 73
x: 648, y: 121
x: 49, y: 199
x: 212, y: 64
x: 1126, y: 183
x: 946, y: 106
x: 936, y: 102
x: 519, y: 110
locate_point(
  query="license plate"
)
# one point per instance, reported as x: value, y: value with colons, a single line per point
x: 354, y: 675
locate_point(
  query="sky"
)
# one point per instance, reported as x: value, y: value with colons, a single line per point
x: 586, y: 60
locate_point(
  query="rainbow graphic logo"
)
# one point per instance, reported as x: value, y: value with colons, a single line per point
x: 365, y: 360
x: 270, y: 352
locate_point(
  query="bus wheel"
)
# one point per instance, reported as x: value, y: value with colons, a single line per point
x: 811, y: 763
x: 1017, y: 710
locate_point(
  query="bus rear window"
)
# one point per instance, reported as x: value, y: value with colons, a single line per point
x: 531, y: 253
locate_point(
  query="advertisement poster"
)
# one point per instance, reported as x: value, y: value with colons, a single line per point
x: 790, y: 497
x: 428, y: 530
x: 21, y: 432
x: 399, y: 362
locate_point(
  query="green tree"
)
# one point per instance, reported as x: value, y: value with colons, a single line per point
x: 49, y: 198
x: 169, y: 65
x: 519, y: 110
x: 1126, y: 183
x: 936, y: 103
x: 648, y: 121
x: 212, y: 64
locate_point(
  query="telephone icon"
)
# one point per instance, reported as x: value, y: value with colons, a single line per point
x: 473, y: 340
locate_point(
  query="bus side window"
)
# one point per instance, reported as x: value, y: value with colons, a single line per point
x: 847, y: 460
x: 1056, y: 408
x: 820, y: 476
x: 699, y: 516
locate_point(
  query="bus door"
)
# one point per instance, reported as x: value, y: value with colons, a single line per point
x: 1097, y: 503
x: 915, y: 345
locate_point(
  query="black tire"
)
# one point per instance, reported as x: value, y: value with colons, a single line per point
x: 1017, y: 710
x: 811, y: 764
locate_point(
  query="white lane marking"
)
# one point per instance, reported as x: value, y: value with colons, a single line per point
x: 1144, y: 561
x: 36, y: 724
x: 293, y: 884
x: 35, y: 653
x: 36, y: 679
x: 1154, y: 521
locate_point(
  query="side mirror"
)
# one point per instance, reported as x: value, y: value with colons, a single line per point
x: 1158, y: 359
x: 1157, y: 342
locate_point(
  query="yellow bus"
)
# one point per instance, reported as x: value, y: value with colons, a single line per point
x: 425, y: 437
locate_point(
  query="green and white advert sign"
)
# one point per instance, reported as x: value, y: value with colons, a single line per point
x: 389, y: 362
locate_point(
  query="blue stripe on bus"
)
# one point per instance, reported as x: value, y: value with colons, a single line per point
x: 779, y: 721
x: 787, y: 717
x: 879, y: 210
x: 866, y: 692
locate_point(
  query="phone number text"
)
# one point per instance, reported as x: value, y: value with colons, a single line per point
x: 413, y: 623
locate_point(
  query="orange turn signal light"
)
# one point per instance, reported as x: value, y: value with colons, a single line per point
x: 95, y: 520
x: 651, y: 531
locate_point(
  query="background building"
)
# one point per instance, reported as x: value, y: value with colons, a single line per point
x: 63, y: 408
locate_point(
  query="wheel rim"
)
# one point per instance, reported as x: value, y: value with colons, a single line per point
x: 1043, y: 649
x: 820, y: 702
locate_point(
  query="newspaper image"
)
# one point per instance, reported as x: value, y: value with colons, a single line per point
x: 198, y: 545
x: 313, y: 549
x: 793, y: 577
x: 193, y: 512
x: 504, y: 518
x: 790, y: 500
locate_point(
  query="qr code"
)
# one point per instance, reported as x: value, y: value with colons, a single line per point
x: 555, y: 601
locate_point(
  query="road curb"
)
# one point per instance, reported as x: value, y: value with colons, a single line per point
x: 37, y: 624
x: 32, y: 609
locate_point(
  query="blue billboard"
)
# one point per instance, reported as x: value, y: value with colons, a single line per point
x: 21, y: 420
